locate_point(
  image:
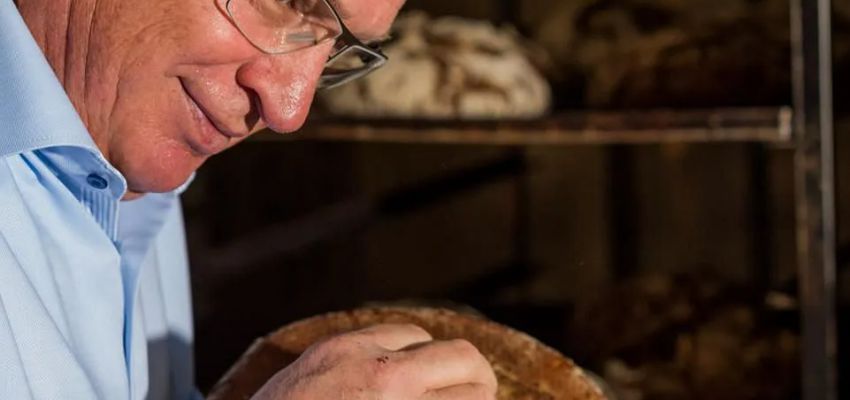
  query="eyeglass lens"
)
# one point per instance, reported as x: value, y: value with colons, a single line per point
x: 280, y: 26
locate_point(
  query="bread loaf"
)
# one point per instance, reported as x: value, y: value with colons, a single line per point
x: 526, y: 369
x: 447, y: 68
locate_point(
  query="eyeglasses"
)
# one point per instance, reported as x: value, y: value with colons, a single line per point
x: 284, y: 26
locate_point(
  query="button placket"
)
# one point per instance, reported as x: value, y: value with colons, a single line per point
x: 101, y: 203
x: 97, y: 181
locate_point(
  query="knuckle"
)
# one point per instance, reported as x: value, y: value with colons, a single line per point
x: 464, y: 348
x: 406, y: 328
x: 415, y: 329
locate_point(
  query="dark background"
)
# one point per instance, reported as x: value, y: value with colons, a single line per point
x: 531, y: 236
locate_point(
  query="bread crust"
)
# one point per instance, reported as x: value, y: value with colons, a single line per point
x: 526, y: 368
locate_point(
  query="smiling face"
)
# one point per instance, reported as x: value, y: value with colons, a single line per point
x: 168, y: 83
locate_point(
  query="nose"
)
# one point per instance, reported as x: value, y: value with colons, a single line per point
x: 284, y: 85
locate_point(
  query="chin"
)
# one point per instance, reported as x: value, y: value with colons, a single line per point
x: 158, y: 171
x: 155, y: 180
x: 155, y: 183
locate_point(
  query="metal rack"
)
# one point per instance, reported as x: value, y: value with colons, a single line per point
x: 809, y: 132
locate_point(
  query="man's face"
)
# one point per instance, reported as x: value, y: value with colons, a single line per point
x: 172, y: 82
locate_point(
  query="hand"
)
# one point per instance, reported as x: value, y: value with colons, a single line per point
x: 385, y: 362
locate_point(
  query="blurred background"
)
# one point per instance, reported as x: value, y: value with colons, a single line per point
x: 613, y: 177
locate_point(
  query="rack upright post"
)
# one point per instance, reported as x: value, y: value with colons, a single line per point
x: 815, y: 194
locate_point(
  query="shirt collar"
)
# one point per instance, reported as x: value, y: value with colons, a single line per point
x: 35, y: 110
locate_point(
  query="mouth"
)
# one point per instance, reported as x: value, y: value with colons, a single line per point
x: 206, y: 138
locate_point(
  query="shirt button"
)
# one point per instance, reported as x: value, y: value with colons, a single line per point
x: 96, y: 181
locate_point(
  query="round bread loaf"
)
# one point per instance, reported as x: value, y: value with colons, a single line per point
x: 447, y: 68
x: 526, y: 369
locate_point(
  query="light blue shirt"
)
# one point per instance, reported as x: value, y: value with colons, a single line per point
x: 94, y: 292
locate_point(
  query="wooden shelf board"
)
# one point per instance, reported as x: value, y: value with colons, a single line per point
x: 574, y: 128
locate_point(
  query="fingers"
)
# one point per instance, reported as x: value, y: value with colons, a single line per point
x: 445, y: 364
x: 395, y: 336
x: 388, y: 361
x: 470, y: 391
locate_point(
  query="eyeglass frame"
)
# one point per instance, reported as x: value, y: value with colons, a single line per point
x: 346, y: 37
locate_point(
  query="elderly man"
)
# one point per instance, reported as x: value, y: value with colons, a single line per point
x: 108, y: 107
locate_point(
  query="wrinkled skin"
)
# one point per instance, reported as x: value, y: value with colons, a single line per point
x: 146, y: 76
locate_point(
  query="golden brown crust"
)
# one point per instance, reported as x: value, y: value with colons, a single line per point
x: 526, y: 368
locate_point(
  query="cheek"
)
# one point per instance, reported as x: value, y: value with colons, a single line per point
x: 148, y: 140
x: 185, y: 32
x: 210, y: 38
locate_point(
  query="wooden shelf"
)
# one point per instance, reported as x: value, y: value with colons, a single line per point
x: 573, y: 128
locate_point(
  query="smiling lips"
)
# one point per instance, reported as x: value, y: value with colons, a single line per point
x: 208, y: 139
